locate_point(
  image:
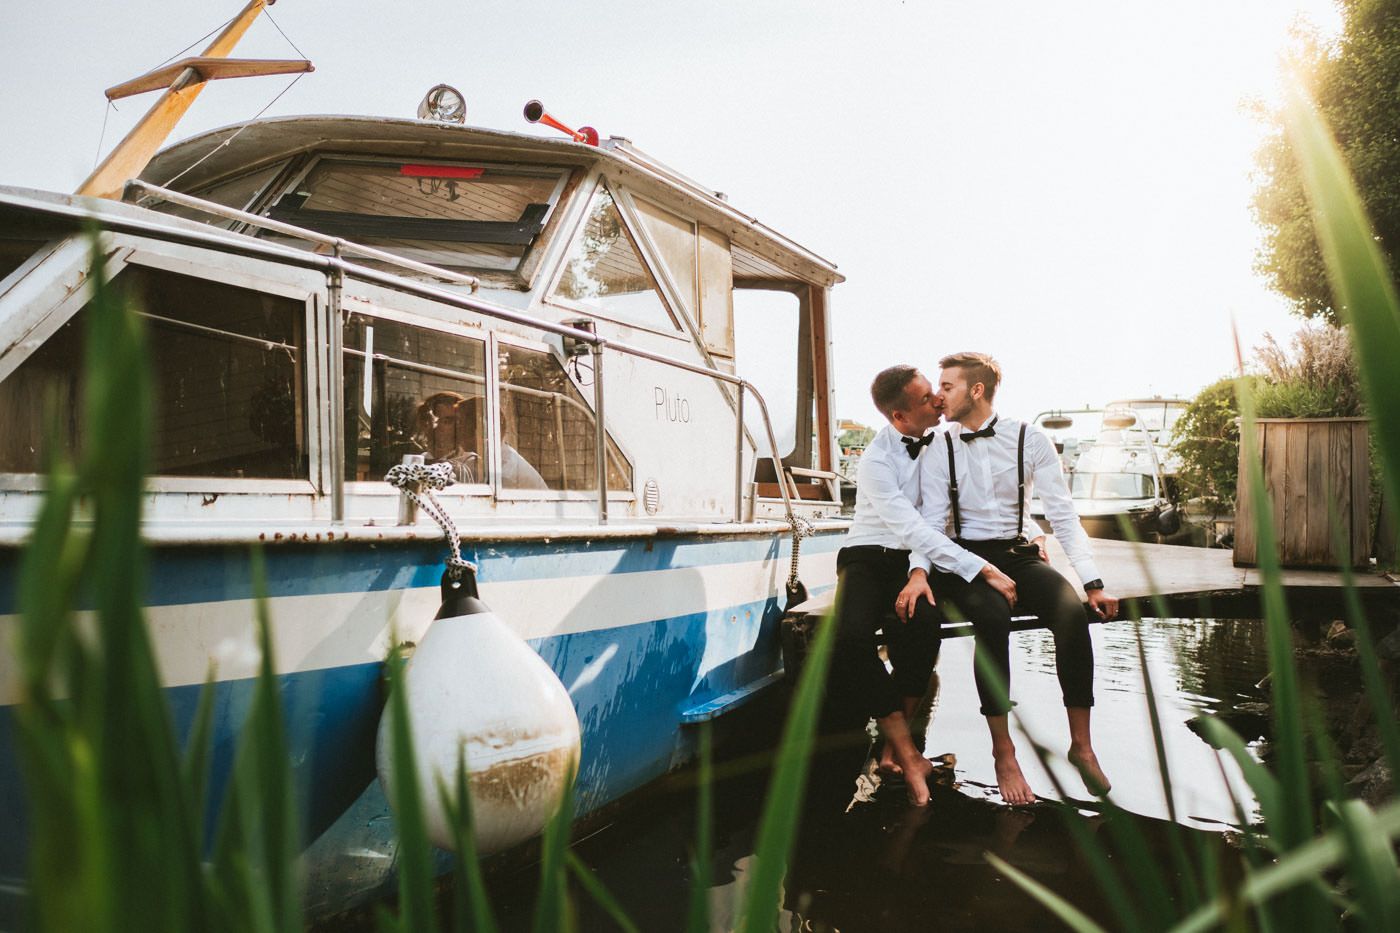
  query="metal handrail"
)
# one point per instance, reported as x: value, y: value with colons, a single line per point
x: 336, y: 268
x: 336, y: 243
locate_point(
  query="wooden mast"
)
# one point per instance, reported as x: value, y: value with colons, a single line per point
x: 183, y: 81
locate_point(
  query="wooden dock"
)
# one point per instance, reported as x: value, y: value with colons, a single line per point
x: 1196, y: 582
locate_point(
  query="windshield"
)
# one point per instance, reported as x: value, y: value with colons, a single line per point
x: 1112, y: 486
x: 478, y: 217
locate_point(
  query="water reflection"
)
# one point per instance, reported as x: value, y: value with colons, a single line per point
x: 877, y: 864
x: 1196, y: 667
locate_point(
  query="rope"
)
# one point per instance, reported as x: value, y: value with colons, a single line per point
x: 418, y: 482
x: 801, y: 528
x: 267, y: 12
x: 236, y: 132
x: 196, y: 42
x: 97, y: 157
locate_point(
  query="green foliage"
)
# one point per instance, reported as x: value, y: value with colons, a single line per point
x: 853, y: 438
x: 1208, y: 443
x: 113, y: 807
x: 1354, y: 80
x: 1316, y: 376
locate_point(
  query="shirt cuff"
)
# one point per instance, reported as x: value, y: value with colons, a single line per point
x: 971, y: 565
x: 1086, y: 570
x: 918, y: 561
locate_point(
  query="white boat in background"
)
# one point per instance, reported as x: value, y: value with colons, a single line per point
x: 562, y: 323
x: 1120, y: 467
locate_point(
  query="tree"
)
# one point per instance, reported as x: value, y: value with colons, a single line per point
x: 1355, y: 80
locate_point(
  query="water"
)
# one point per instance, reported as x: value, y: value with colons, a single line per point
x: 876, y: 864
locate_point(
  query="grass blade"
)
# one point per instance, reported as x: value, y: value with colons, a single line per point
x: 1070, y: 915
x: 1371, y: 859
x: 553, y: 911
x: 198, y: 747
x: 698, y: 917
x: 415, y: 866
x: 471, y: 906
x: 600, y: 894
x: 778, y: 826
x: 1303, y: 865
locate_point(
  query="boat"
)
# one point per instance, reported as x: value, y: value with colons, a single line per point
x: 1120, y: 468
x: 555, y: 321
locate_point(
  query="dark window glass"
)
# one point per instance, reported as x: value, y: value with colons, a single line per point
x: 547, y: 432
x: 453, y: 216
x: 13, y: 253
x: 226, y: 373
x: 426, y: 394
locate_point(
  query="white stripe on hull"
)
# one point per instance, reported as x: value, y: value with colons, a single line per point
x: 316, y: 632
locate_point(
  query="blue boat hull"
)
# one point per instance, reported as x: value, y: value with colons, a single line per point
x: 644, y: 632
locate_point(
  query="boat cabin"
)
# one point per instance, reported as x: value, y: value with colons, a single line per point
x: 346, y: 291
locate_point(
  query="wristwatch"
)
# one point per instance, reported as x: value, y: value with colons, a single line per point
x: 1094, y: 584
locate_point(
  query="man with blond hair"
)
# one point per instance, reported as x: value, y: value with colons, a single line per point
x: 979, y: 479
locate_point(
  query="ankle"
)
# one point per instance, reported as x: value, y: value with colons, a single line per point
x: 1003, y: 749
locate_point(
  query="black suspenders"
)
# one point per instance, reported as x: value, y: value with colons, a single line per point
x: 1020, y: 486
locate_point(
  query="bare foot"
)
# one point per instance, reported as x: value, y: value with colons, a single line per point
x: 888, y: 766
x: 1088, y: 764
x: 917, y: 770
x: 1010, y: 781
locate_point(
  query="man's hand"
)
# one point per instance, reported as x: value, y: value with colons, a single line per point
x: 1040, y: 543
x: 917, y: 588
x: 1000, y: 582
x: 1104, y: 606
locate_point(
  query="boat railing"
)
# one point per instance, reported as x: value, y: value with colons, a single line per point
x: 337, y: 268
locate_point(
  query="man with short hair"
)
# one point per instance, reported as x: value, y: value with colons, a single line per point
x: 873, y: 567
x: 981, y: 476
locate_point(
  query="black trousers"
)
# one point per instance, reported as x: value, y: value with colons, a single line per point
x: 859, y: 685
x: 1040, y: 590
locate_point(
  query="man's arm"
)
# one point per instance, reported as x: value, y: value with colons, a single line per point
x: 1059, y: 506
x: 928, y: 545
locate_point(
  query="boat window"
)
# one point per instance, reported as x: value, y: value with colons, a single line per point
x: 237, y: 193
x: 767, y: 326
x: 674, y: 238
x: 548, y: 438
x: 455, y: 216
x: 605, y: 273
x: 13, y: 253
x: 717, y: 293
x: 1112, y: 486
x: 424, y: 394
x: 226, y: 375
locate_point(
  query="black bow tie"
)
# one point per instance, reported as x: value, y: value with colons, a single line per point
x: 914, y: 446
x: 988, y: 431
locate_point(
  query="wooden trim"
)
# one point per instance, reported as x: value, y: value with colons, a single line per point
x: 822, y: 389
x: 209, y: 69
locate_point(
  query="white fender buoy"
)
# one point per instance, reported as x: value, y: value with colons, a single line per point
x: 473, y: 684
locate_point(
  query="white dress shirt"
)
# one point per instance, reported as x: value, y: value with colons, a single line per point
x: 987, y: 496
x: 887, y: 496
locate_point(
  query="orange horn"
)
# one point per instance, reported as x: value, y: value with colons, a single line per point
x: 535, y: 113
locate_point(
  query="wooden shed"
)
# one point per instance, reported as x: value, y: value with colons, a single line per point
x: 1317, y: 472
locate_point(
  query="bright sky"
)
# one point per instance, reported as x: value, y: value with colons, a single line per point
x: 1065, y: 185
